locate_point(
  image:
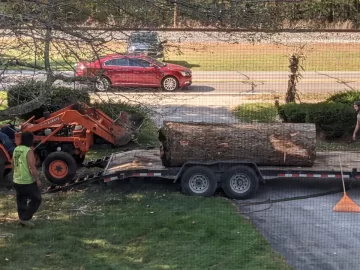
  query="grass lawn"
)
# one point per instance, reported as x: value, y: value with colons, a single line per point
x: 256, y: 112
x: 265, y: 57
x: 220, y: 56
x: 154, y: 229
x: 132, y: 226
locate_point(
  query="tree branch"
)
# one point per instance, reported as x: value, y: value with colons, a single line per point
x: 12, y: 112
x: 69, y: 79
x: 16, y: 62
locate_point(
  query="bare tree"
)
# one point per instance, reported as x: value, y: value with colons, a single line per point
x: 45, y: 35
x: 295, y: 60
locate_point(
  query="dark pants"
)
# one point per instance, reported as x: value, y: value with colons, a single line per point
x: 28, y: 199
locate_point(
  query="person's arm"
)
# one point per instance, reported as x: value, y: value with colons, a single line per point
x: 31, y: 163
x: 356, y: 130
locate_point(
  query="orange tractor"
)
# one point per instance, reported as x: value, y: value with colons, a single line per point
x: 62, y: 138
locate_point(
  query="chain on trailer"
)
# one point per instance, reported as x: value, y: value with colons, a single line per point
x: 83, y: 179
x: 87, y: 178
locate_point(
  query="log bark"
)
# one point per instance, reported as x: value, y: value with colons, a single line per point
x: 275, y: 144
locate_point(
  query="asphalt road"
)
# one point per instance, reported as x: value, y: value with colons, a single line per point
x: 307, y: 232
x: 232, y: 82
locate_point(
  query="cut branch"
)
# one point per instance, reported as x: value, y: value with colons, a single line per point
x: 12, y: 112
x: 16, y: 62
x: 70, y: 79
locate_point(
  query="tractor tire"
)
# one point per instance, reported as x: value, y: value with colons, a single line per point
x: 59, y: 168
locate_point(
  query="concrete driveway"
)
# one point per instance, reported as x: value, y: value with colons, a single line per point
x: 307, y: 232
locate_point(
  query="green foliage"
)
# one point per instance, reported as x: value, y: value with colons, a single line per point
x: 335, y: 120
x: 113, y: 108
x: 58, y: 97
x: 159, y: 13
x: 148, y: 133
x: 347, y: 97
x: 295, y: 113
x: 259, y: 112
x: 147, y: 227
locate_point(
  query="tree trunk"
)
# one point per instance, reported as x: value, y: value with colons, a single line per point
x: 275, y: 144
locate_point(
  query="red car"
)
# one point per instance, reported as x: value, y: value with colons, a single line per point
x: 134, y: 70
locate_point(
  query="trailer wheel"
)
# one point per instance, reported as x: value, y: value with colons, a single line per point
x: 199, y: 181
x: 240, y: 182
x: 59, y: 168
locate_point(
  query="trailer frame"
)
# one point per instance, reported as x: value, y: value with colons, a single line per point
x: 239, y: 179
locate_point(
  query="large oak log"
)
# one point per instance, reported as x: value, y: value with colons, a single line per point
x: 275, y: 144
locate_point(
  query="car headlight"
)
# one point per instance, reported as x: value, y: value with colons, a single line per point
x: 186, y: 73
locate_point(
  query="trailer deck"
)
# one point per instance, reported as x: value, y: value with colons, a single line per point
x: 148, y: 163
x: 239, y: 179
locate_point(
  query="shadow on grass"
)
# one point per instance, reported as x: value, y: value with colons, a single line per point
x: 151, y: 229
x: 156, y: 90
x: 182, y: 63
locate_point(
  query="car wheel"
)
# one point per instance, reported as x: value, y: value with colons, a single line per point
x: 102, y: 84
x: 170, y: 84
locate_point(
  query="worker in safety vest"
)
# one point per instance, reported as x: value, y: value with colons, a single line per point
x: 357, y: 127
x: 26, y: 180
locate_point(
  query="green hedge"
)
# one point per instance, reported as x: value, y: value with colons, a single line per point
x: 59, y: 97
x: 347, y: 97
x: 113, y: 108
x: 335, y: 120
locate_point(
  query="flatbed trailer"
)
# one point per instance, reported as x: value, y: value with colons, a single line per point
x: 238, y: 178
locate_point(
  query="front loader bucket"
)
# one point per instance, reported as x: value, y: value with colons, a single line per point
x: 126, y: 127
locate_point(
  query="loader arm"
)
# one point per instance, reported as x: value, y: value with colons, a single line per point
x: 104, y: 127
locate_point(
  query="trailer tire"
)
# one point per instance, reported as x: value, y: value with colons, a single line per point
x: 240, y: 182
x: 198, y: 181
x: 59, y: 168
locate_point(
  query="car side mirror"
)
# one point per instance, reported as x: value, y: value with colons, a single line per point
x: 153, y: 66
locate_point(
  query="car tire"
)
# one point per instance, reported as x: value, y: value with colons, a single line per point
x: 169, y: 84
x: 102, y: 84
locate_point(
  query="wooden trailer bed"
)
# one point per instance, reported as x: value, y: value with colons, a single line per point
x: 150, y: 160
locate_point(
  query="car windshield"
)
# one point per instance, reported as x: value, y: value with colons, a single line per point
x: 143, y: 38
x: 156, y: 62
